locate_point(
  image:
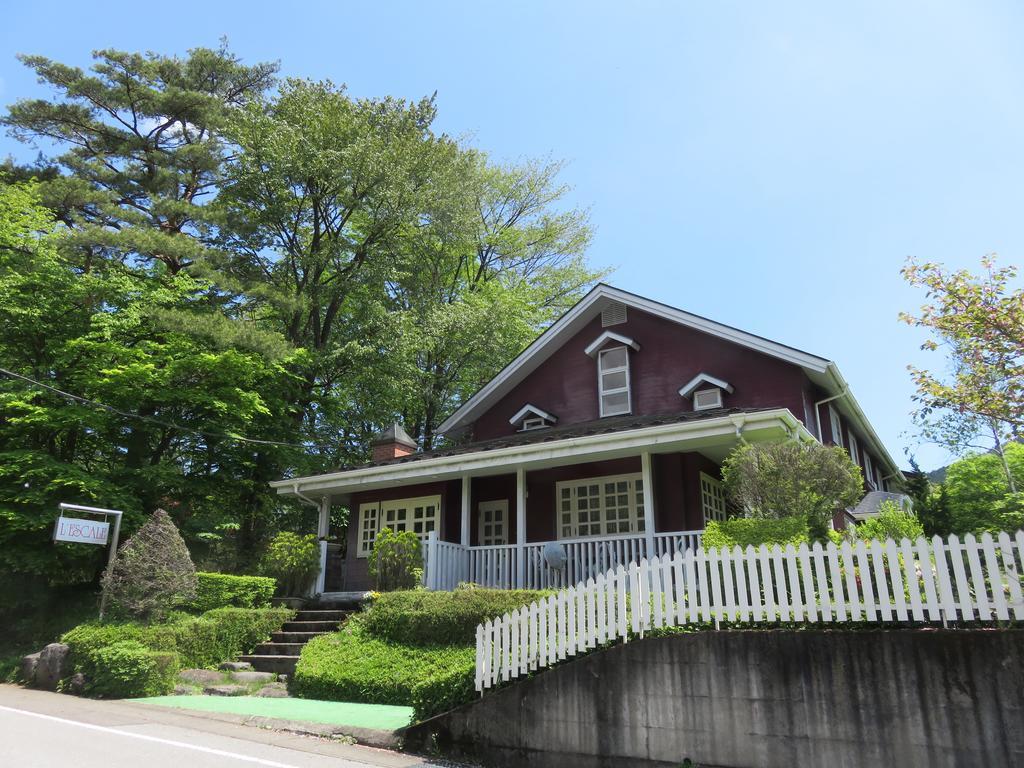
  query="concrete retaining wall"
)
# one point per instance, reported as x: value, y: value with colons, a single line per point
x: 766, y: 699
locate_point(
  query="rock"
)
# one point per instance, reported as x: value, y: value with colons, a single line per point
x: 282, y: 679
x: 76, y: 684
x: 253, y: 677
x: 52, y: 666
x: 225, y: 690
x: 273, y: 691
x: 235, y: 666
x: 181, y: 689
x: 201, y: 676
x: 29, y: 664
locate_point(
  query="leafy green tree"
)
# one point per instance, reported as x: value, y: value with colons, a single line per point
x: 978, y: 495
x: 396, y: 560
x: 891, y: 522
x: 294, y: 561
x: 979, y: 322
x: 792, y: 479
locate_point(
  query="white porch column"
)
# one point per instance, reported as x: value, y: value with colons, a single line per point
x: 520, y: 528
x: 323, y: 528
x: 647, y: 475
x: 466, y: 488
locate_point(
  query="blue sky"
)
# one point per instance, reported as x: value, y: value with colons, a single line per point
x: 769, y: 165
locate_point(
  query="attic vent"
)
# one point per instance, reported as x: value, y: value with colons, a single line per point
x: 613, y: 314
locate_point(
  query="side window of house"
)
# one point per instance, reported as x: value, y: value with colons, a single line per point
x: 421, y: 516
x: 493, y: 523
x: 854, y: 450
x: 712, y: 498
x: 837, y: 432
x: 613, y: 381
x: 869, y: 472
x: 600, y: 505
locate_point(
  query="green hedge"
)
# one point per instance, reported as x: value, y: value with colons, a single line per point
x: 223, y: 590
x: 750, y: 531
x: 199, y: 641
x: 128, y: 669
x: 353, y: 665
x: 422, y: 617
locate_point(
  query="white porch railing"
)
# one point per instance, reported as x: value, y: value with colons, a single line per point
x: 446, y: 564
x: 936, y: 580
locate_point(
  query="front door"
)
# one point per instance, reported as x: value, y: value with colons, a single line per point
x: 493, y: 522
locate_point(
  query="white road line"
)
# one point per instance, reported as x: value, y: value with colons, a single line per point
x: 183, y: 745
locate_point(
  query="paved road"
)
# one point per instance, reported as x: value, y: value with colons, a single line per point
x: 44, y: 730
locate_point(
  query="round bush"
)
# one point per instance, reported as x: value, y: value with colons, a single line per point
x: 127, y: 669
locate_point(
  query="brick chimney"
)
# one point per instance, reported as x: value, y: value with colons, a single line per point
x: 392, y: 443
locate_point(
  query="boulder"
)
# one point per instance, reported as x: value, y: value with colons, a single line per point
x: 273, y: 691
x: 53, y: 666
x: 29, y: 664
x: 76, y: 684
x: 225, y: 690
x: 201, y: 676
x: 235, y: 666
x: 253, y: 677
x: 181, y: 689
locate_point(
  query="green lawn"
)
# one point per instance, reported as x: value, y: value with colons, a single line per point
x: 383, y: 717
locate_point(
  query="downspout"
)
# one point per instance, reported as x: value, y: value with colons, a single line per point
x: 304, y: 497
x: 817, y: 410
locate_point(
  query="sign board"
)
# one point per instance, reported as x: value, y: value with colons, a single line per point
x: 81, y: 531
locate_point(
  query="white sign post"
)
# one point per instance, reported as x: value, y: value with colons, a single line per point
x: 79, y: 531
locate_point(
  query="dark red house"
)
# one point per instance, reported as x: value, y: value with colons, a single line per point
x: 600, y: 443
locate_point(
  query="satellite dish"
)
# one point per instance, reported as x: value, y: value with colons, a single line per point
x: 554, y: 555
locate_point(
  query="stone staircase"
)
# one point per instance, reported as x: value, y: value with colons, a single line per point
x: 282, y: 652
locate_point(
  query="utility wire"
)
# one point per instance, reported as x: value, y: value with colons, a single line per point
x: 152, y: 420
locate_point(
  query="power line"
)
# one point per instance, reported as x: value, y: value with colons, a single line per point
x: 152, y: 420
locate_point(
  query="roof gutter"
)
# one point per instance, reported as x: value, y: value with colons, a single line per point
x: 303, y: 497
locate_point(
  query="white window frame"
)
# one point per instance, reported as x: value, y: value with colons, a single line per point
x: 837, y: 426
x: 374, y: 515
x: 601, y: 391
x: 869, y: 472
x: 712, y: 499
x: 534, y: 423
x: 712, y: 390
x: 494, y: 539
x: 634, y: 502
x: 854, y: 449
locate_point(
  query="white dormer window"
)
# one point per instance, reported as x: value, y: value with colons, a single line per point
x: 705, y: 399
x: 837, y: 432
x: 706, y: 391
x: 530, y: 417
x: 613, y: 381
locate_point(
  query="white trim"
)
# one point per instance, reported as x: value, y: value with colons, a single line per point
x: 707, y: 406
x: 835, y: 425
x: 574, y: 320
x: 869, y: 472
x: 607, y: 336
x: 687, y: 389
x: 602, y: 392
x: 529, y: 408
x: 635, y: 511
x: 659, y: 439
x: 853, y: 449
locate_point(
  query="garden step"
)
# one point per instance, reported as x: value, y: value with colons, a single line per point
x: 278, y: 664
x: 278, y: 649
x: 294, y: 637
x: 321, y: 615
x: 311, y: 626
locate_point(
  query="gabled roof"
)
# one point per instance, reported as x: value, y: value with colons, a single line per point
x: 528, y: 408
x: 703, y: 378
x: 820, y: 370
x: 595, y: 346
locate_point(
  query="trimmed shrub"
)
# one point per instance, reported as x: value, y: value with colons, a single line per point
x: 396, y: 560
x: 294, y: 561
x: 752, y: 531
x: 890, y: 523
x: 422, y: 617
x: 199, y: 641
x: 127, y: 669
x: 223, y: 590
x: 353, y: 665
x: 153, y: 573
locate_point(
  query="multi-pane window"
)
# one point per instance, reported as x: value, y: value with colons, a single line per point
x: 837, y: 432
x: 421, y: 516
x: 600, y: 506
x: 493, y: 521
x: 712, y: 498
x: 613, y: 381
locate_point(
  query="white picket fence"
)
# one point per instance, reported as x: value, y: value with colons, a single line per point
x: 936, y: 580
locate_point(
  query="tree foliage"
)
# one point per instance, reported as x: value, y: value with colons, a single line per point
x: 396, y: 560
x: 978, y: 496
x: 792, y: 479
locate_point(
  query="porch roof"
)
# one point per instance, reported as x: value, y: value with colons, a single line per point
x: 712, y: 433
